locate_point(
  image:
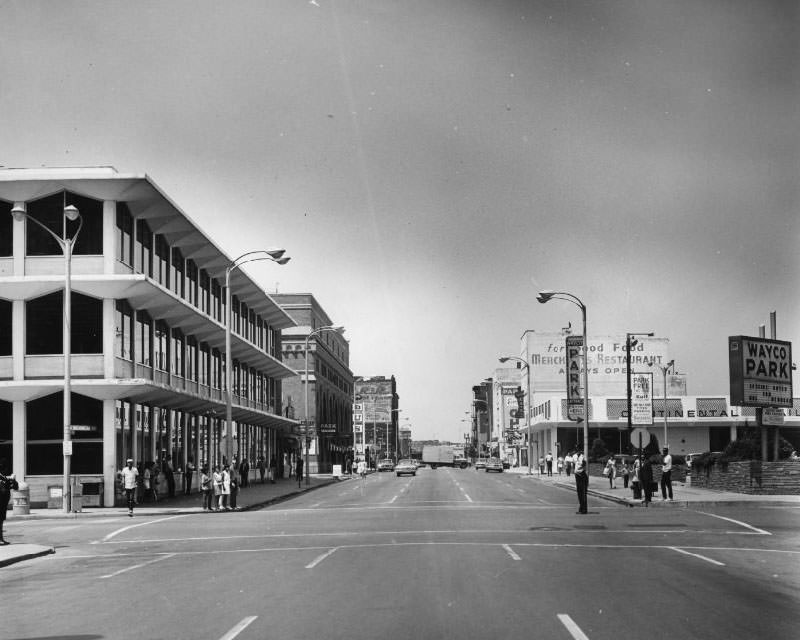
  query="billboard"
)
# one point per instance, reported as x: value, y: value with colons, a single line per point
x: 760, y: 372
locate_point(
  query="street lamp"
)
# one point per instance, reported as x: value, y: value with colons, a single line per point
x: 670, y: 366
x: 272, y: 255
x: 629, y: 344
x: 313, y: 332
x: 71, y: 213
x: 522, y: 364
x: 546, y: 296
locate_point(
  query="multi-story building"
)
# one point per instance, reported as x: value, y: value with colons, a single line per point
x: 375, y: 417
x: 330, y: 381
x: 405, y: 442
x: 147, y: 336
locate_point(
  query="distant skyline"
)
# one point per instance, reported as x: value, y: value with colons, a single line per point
x: 430, y: 166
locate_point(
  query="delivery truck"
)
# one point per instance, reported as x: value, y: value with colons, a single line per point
x: 442, y: 456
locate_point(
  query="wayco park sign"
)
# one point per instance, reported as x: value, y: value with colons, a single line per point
x: 760, y: 372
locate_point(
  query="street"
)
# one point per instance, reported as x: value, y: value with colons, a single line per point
x: 446, y: 554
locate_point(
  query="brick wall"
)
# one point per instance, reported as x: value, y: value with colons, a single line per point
x: 751, y: 476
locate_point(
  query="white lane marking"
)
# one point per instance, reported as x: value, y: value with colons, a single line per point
x: 510, y: 552
x: 319, y: 559
x: 392, y: 500
x: 739, y: 522
x: 574, y: 629
x: 113, y: 534
x: 467, y: 497
x: 697, y: 555
x: 238, y: 628
x: 137, y: 566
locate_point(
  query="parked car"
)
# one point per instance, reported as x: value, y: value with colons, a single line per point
x: 405, y: 467
x: 494, y: 464
x: 385, y: 465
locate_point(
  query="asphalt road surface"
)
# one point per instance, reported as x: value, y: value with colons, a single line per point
x: 446, y: 554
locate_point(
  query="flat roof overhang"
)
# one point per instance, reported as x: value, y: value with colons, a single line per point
x: 143, y: 392
x: 144, y: 293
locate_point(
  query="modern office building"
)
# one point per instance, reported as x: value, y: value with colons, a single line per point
x: 147, y: 336
x: 330, y: 381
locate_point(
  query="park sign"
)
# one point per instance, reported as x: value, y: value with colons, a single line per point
x: 574, y: 367
x: 760, y: 372
x: 641, y: 399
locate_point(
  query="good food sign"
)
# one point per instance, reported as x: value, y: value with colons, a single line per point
x: 760, y: 372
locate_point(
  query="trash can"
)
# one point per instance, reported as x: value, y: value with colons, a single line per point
x: 76, y: 497
x: 21, y: 500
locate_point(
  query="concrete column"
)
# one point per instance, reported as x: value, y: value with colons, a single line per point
x: 18, y: 339
x: 109, y: 236
x: 109, y: 452
x: 19, y: 244
x: 18, y: 437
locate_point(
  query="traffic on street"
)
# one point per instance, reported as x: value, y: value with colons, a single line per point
x: 446, y: 553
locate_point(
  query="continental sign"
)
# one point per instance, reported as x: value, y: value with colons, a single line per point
x: 760, y: 372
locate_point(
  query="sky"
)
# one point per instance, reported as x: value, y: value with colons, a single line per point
x: 430, y: 166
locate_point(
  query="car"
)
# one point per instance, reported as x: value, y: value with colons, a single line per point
x: 494, y: 464
x: 385, y: 465
x: 480, y: 463
x: 405, y: 467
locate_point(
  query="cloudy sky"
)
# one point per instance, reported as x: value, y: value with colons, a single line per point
x: 430, y: 165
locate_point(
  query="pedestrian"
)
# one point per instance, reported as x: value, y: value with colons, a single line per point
x: 129, y: 475
x: 646, y: 478
x: 626, y: 473
x: 610, y: 472
x: 234, y: 491
x: 187, y: 477
x: 541, y: 465
x: 225, y: 496
x: 169, y: 475
x: 205, y: 487
x: 560, y: 464
x: 568, y: 463
x: 273, y: 469
x: 299, y: 471
x: 217, y: 481
x: 548, y: 460
x: 581, y: 482
x: 361, y: 470
x: 8, y: 483
x: 636, y: 479
x: 149, y: 482
x: 244, y: 472
x: 262, y: 468
x: 666, y: 475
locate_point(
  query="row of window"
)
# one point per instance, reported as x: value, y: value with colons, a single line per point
x: 151, y: 254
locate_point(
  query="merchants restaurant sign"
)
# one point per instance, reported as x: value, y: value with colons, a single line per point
x: 760, y: 372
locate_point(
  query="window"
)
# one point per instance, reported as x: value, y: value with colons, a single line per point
x: 190, y: 291
x: 205, y: 363
x: 5, y: 327
x: 124, y: 234
x: 205, y: 292
x: 143, y: 340
x: 44, y: 324
x: 144, y: 242
x: 191, y: 359
x: 6, y: 229
x: 50, y: 212
x: 123, y: 343
x: 161, y: 346
x: 161, y: 261
x: 216, y: 301
x: 177, y: 353
x: 177, y: 273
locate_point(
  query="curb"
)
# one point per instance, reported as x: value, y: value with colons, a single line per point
x: 43, y: 551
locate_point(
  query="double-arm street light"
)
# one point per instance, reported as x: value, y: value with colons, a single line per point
x: 314, y: 332
x: 665, y: 369
x: 70, y: 213
x: 271, y: 255
x: 629, y: 344
x: 546, y: 296
x: 522, y: 364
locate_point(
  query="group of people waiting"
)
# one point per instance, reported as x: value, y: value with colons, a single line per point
x: 640, y: 475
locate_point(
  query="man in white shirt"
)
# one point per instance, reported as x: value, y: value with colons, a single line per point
x: 129, y: 475
x: 666, y: 474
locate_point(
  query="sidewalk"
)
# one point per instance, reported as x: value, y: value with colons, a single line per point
x: 256, y: 495
x: 683, y: 495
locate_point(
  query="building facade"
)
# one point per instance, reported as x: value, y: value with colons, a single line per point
x: 147, y: 336
x: 375, y: 410
x: 330, y: 381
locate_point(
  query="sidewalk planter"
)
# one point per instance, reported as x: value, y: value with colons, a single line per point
x: 752, y: 477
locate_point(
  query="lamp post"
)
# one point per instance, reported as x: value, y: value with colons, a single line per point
x: 629, y: 344
x: 272, y: 255
x: 311, y: 333
x: 670, y: 366
x: 522, y: 364
x: 546, y: 296
x: 71, y: 213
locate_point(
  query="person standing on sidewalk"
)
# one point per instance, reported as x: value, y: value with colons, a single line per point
x: 581, y: 482
x: 611, y: 472
x: 666, y: 475
x: 205, y: 487
x: 646, y: 478
x: 130, y: 475
x: 548, y: 460
x: 187, y: 477
x: 299, y: 471
x: 217, y: 482
x: 226, y: 488
x: 262, y: 468
x: 8, y: 483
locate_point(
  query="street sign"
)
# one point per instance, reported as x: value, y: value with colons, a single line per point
x: 760, y: 372
x: 645, y: 435
x: 82, y: 427
x: 642, y: 398
x: 575, y: 390
x: 772, y: 417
